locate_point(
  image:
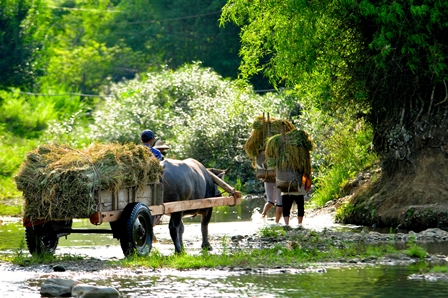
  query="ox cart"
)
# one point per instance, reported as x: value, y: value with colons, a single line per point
x: 130, y: 213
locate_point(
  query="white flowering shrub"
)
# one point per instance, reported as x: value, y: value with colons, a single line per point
x: 193, y: 110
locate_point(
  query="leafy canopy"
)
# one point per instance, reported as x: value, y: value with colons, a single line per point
x: 192, y: 109
x: 385, y: 58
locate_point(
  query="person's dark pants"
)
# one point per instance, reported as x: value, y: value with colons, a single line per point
x: 288, y: 201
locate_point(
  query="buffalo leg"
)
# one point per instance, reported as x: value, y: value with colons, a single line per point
x: 181, y: 233
x: 206, y: 216
x: 176, y: 226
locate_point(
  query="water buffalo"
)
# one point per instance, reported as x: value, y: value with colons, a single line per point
x: 188, y: 180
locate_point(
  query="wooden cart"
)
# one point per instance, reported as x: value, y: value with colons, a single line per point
x: 129, y: 212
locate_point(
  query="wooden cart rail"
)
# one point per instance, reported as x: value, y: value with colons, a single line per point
x: 168, y: 208
x: 112, y: 204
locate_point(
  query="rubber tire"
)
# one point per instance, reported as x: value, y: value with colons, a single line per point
x: 41, y: 239
x: 136, y: 234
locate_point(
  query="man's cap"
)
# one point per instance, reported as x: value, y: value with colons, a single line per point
x: 147, y: 135
x: 160, y: 145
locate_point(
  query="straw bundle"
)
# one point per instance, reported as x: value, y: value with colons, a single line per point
x: 295, y: 154
x: 59, y: 182
x: 259, y: 134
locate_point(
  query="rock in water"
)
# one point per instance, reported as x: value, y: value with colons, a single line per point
x: 57, y: 287
x: 87, y: 291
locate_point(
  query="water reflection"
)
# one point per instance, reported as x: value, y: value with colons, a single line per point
x: 385, y: 281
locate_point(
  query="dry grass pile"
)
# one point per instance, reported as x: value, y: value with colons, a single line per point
x: 259, y: 134
x: 59, y: 182
x: 295, y: 154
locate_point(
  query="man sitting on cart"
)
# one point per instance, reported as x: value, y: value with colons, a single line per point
x: 147, y: 139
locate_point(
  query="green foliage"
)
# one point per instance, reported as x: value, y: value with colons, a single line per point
x: 27, y: 116
x: 306, y: 45
x: 329, y: 184
x: 11, y: 208
x: 84, y: 68
x: 194, y: 110
x: 439, y: 269
x: 386, y: 59
x: 408, y: 53
x: 23, y: 259
x: 93, y: 42
x: 345, y: 211
x: 274, y: 231
x: 177, y: 32
x: 88, y: 43
x: 342, y: 148
x: 298, y: 253
x: 78, y: 58
x: 413, y: 250
x: 21, y: 42
x: 12, y: 153
x: 24, y: 119
x: 301, y: 249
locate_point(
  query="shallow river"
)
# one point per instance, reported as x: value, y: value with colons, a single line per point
x: 379, y: 281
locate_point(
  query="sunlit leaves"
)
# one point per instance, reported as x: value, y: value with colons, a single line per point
x: 194, y: 110
x: 21, y: 42
x: 292, y: 42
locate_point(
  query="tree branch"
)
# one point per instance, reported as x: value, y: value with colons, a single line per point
x: 432, y: 98
x: 446, y: 95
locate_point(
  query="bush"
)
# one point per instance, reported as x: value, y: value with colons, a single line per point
x: 342, y: 148
x: 193, y: 110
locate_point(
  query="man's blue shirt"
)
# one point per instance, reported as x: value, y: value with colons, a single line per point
x: 155, y: 151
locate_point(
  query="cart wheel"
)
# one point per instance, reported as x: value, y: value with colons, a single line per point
x: 41, y: 239
x: 136, y: 234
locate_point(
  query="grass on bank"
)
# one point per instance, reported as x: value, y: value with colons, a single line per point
x: 24, y: 119
x: 23, y: 258
x: 297, y: 251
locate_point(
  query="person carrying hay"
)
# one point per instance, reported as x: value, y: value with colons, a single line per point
x: 290, y: 154
x: 255, y: 147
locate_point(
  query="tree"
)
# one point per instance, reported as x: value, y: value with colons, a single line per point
x: 385, y: 59
x: 78, y: 59
x: 20, y: 42
x: 192, y: 109
x: 177, y: 32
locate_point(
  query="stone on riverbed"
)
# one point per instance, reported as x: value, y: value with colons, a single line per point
x: 57, y: 287
x: 87, y: 291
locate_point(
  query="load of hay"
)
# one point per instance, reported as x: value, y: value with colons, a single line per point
x: 257, y: 139
x: 59, y: 182
x: 294, y: 154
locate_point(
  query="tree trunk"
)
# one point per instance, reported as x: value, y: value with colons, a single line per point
x: 412, y: 192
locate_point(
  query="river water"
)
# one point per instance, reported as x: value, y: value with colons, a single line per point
x: 244, y: 219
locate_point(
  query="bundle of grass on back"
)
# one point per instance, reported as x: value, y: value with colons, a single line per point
x: 294, y: 155
x: 259, y: 134
x: 59, y: 182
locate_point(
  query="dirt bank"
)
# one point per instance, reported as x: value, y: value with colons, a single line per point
x: 412, y: 197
